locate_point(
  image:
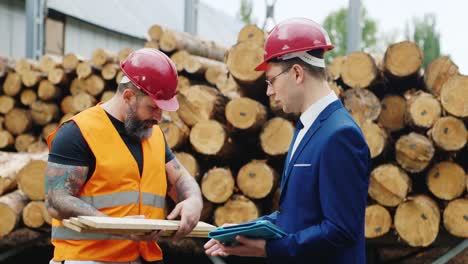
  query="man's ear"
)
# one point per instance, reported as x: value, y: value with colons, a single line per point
x: 299, y: 73
x: 127, y: 95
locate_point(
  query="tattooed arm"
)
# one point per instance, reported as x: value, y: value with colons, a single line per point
x: 63, y: 185
x: 188, y: 197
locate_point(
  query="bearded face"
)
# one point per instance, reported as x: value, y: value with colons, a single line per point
x: 136, y: 127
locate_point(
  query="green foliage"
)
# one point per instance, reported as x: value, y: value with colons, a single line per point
x: 245, y: 12
x: 424, y: 34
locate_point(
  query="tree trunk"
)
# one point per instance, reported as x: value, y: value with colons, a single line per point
x: 276, y: 136
x: 376, y: 138
x: 71, y: 61
x: 84, y: 69
x: 423, y: 109
x: 389, y: 185
x: 209, y: 137
x: 48, y: 91
x: 12, y: 84
x: 246, y: 114
x: 362, y: 104
x: 43, y: 113
x: 101, y: 56
x: 11, y: 206
x: 31, y: 78
x: 378, y: 221
x: 241, y: 61
x: 176, y: 133
x: 31, y: 179
x: 190, y: 163
x: 446, y: 180
x: 454, y: 96
x: 237, y: 210
x: 335, y: 68
x: 173, y: 40
x: 449, y: 133
x: 94, y: 85
x: 414, y: 152
x: 17, y: 121
x: 438, y: 72
x: 212, y: 74
x: 456, y: 218
x: 83, y: 101
x: 417, y: 221
x: 393, y: 114
x: 252, y: 33
x: 217, y: 185
x: 58, y: 77
x: 28, y: 97
x: 256, y: 179
x: 199, y: 65
x: 7, y: 103
x: 23, y: 141
x: 403, y: 59
x: 201, y: 102
x: 34, y: 214
x: 109, y: 71
x: 359, y: 70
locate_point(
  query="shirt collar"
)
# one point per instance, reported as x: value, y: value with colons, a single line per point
x: 309, y: 116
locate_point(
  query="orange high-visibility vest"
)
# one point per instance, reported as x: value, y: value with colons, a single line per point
x: 116, y: 189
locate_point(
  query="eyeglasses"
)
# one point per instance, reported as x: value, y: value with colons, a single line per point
x: 270, y: 82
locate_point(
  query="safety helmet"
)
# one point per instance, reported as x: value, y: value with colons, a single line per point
x: 293, y: 38
x: 154, y: 73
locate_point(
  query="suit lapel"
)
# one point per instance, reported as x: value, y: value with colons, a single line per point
x: 307, y: 137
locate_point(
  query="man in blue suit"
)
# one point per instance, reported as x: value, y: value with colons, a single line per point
x: 326, y: 173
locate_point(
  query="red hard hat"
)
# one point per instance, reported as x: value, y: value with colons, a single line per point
x: 294, y: 35
x: 154, y: 73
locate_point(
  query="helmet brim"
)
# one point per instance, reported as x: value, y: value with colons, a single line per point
x: 262, y: 66
x: 170, y: 105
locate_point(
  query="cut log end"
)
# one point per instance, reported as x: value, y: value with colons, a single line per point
x: 217, y: 185
x: 33, y: 214
x: 251, y: 33
x: 449, y: 133
x: 414, y: 152
x: 17, y: 121
x: 454, y: 96
x: 403, y: 59
x: 423, y: 109
x: 6, y: 139
x: 438, y: 72
x: 456, y: 218
x: 31, y: 179
x: 359, y: 70
x: 256, y: 179
x: 155, y: 32
x: 208, y: 137
x: 334, y: 68
x: 276, y: 136
x: 242, y: 60
x: 83, y: 101
x: 95, y: 85
x: 109, y: 71
x: 7, y: 103
x: 393, y: 114
x: 175, y: 135
x: 189, y: 162
x: 237, y: 210
x: 378, y: 221
x: 362, y: 104
x: 70, y: 62
x: 84, y: 69
x: 389, y: 185
x: 11, y: 206
x: 245, y: 113
x: 375, y: 137
x: 12, y: 84
x: 446, y: 180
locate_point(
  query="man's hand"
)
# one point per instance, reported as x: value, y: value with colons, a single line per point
x: 247, y: 248
x: 189, y: 211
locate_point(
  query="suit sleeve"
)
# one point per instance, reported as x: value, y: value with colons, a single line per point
x: 271, y: 218
x: 343, y: 182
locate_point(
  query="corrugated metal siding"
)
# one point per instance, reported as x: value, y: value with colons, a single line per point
x: 12, y: 28
x: 83, y: 38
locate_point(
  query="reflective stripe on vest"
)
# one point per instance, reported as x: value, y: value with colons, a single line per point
x: 123, y: 198
x: 61, y: 232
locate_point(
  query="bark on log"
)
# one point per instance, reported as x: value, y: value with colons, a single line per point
x: 456, y: 217
x: 190, y: 163
x: 438, y: 72
x: 256, y: 179
x: 378, y: 221
x: 17, y: 121
x: 31, y: 179
x: 362, y: 104
x: 359, y: 70
x: 417, y: 221
x: 11, y: 206
x: 173, y: 40
x: 43, y: 113
x: 375, y: 136
x: 217, y: 185
x: 209, y: 137
x: 403, y: 59
x: 246, y: 114
x: 252, y: 33
x: 241, y: 61
x: 237, y: 210
x: 454, y: 96
x: 389, y: 185
x: 414, y: 152
x: 393, y: 114
x: 449, y: 133
x: 28, y: 97
x: 12, y: 84
x: 207, y: 212
x: 446, y: 180
x: 423, y: 109
x: 48, y: 91
x: 276, y: 136
x: 7, y: 103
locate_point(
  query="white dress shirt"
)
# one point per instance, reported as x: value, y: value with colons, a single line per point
x: 310, y: 115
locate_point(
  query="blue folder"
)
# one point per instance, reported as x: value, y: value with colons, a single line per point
x: 261, y: 229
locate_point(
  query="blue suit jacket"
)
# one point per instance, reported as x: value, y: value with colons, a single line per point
x: 322, y: 205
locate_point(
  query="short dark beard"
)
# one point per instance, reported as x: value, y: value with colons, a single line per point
x: 136, y: 128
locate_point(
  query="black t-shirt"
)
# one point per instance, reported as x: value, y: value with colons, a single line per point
x: 70, y: 148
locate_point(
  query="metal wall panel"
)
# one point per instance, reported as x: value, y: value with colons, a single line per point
x: 13, y: 28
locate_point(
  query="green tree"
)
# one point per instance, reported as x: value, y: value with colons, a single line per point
x: 424, y: 34
x: 335, y: 25
x: 245, y: 11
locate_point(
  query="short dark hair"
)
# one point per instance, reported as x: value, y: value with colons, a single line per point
x: 314, y: 71
x: 129, y: 85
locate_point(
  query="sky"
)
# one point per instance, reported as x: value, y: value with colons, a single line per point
x: 391, y: 17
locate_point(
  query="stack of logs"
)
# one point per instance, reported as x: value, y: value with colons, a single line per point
x: 233, y: 138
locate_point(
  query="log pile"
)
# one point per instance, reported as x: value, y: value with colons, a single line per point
x: 233, y: 139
